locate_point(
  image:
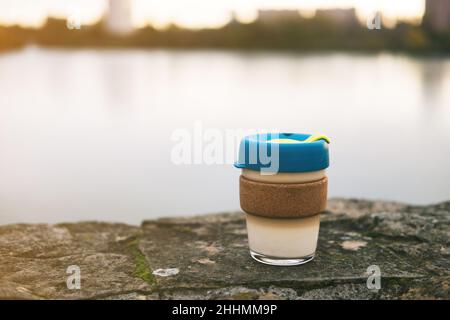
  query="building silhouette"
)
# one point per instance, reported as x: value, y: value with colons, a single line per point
x: 343, y: 17
x: 277, y: 16
x: 118, y: 17
x: 437, y: 15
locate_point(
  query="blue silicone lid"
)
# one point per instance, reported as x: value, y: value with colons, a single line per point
x: 258, y: 152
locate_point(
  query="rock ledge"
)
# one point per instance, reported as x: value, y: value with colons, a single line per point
x: 206, y: 257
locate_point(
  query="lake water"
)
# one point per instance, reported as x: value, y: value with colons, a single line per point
x: 86, y: 134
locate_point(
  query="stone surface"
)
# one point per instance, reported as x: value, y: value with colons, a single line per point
x: 206, y: 257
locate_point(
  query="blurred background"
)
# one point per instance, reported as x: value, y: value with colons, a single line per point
x: 91, y: 92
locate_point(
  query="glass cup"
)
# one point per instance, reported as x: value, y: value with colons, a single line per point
x: 286, y: 241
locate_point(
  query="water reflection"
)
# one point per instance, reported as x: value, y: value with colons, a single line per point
x: 86, y: 134
x: 433, y: 73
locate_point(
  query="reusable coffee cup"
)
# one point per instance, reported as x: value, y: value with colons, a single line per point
x: 283, y: 190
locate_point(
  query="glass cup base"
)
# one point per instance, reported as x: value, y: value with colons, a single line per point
x: 281, y: 262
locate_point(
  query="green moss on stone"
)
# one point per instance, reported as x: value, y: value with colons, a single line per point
x: 142, y: 269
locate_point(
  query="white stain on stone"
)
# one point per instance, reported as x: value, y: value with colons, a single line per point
x: 239, y: 231
x: 166, y: 272
x: 206, y: 261
x: 120, y: 238
x: 210, y: 249
x: 23, y: 290
x: 201, y: 231
x: 353, y: 245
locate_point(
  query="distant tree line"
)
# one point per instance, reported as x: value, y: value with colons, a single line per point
x: 298, y: 34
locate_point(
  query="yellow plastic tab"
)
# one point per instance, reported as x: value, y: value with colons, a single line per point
x: 317, y: 137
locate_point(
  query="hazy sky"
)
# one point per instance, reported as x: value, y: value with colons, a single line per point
x: 192, y: 13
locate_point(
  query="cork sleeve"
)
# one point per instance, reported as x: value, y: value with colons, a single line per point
x: 277, y: 200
